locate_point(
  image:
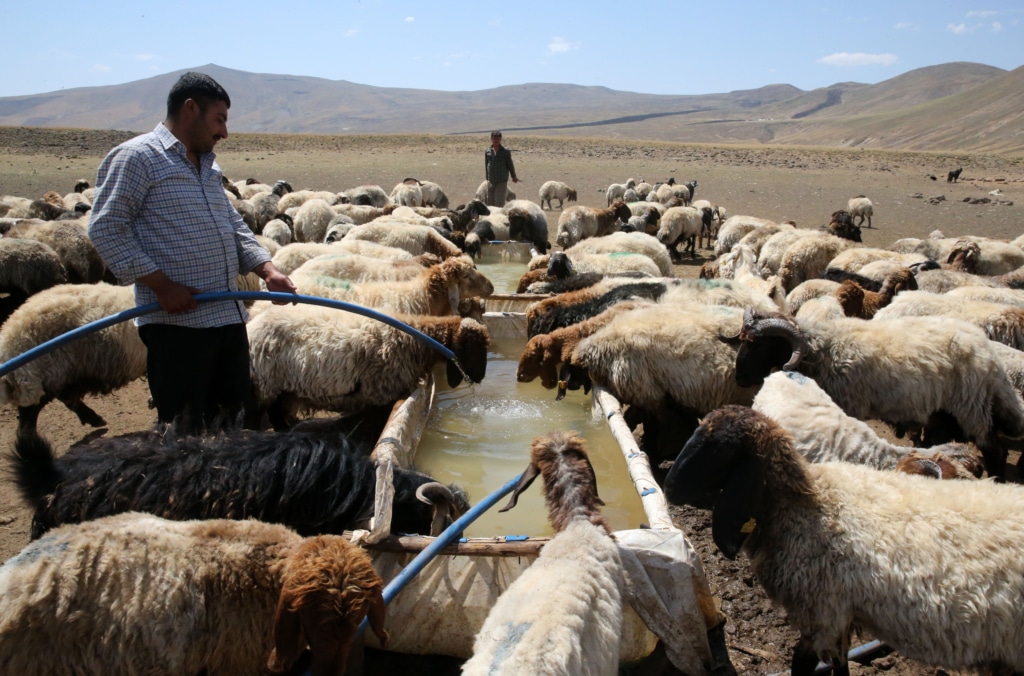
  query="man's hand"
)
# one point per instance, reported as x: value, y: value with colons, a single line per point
x: 515, y: 180
x: 173, y: 297
x: 275, y: 280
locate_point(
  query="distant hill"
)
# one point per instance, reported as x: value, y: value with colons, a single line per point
x: 953, y: 106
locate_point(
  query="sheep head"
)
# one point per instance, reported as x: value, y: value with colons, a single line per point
x: 570, y: 485
x: 471, y: 282
x: 447, y: 508
x: 964, y: 256
x: 621, y: 211
x: 560, y: 266
x: 851, y: 298
x: 328, y: 587
x: 470, y: 345
x: 766, y: 342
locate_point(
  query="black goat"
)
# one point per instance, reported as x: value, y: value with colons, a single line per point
x: 307, y: 480
x: 954, y: 176
x: 567, y: 309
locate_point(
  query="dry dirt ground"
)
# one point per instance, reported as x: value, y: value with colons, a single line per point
x: 805, y: 185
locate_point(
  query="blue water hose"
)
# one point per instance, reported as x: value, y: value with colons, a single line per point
x: 450, y: 535
x: 100, y: 324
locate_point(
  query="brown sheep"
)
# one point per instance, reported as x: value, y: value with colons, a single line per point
x: 858, y: 302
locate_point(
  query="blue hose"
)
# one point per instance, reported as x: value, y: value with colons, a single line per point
x: 450, y: 535
x: 100, y: 324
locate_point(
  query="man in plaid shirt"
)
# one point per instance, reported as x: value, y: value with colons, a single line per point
x: 161, y: 220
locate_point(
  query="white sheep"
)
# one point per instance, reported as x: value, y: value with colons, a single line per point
x: 485, y: 187
x: 935, y: 570
x: 362, y: 213
x: 312, y: 219
x: 680, y: 225
x: 769, y: 260
x: 297, y: 198
x: 563, y: 614
x: 556, y: 190
x: 822, y: 432
x: 137, y: 594
x: 433, y: 195
x: 578, y: 223
x: 26, y: 267
x: 416, y: 239
x: 901, y: 371
x: 616, y: 190
x: 860, y: 207
x: 740, y: 264
x: 633, y: 242
x: 313, y: 358
x: 734, y: 228
x: 853, y: 260
x: 996, y: 257
x: 808, y: 257
x: 97, y: 363
x: 807, y: 291
x: 436, y: 290
x: 279, y: 231
x: 367, y: 195
x: 1004, y: 323
x: 356, y: 268
x: 407, y: 193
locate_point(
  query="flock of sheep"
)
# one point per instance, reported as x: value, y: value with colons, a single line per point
x: 770, y: 365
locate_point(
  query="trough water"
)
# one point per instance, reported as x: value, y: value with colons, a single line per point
x: 479, y: 437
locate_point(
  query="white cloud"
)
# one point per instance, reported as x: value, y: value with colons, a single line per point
x: 410, y: 19
x: 958, y: 29
x: 351, y: 32
x: 99, y: 68
x: 997, y: 27
x: 144, y: 57
x: 559, y: 45
x: 982, y: 13
x: 858, y: 59
x: 906, y: 26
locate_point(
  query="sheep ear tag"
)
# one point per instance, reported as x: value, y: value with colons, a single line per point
x: 453, y: 297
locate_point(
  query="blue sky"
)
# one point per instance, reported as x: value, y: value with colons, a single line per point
x: 660, y: 48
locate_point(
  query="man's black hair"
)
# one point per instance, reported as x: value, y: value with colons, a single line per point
x: 199, y: 87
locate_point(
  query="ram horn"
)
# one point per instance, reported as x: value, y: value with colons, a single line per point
x: 438, y: 496
x: 779, y: 326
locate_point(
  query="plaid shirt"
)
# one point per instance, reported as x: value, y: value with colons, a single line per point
x: 154, y: 211
x: 498, y: 166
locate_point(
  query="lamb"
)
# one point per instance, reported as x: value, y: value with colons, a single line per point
x: 315, y: 358
x: 579, y: 223
x: 901, y: 371
x: 563, y: 614
x: 312, y: 480
x: 954, y: 176
x: 668, y: 191
x: 416, y: 239
x: 26, y: 267
x: 999, y: 322
x: 822, y: 432
x: 616, y: 191
x: 865, y: 304
x: 134, y: 593
x: 556, y: 190
x: 527, y: 222
x: 934, y: 570
x: 436, y: 290
x: 861, y: 207
x: 97, y: 363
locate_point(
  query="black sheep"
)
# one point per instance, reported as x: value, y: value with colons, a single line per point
x: 312, y: 481
x: 954, y: 176
x: 562, y: 311
x: 840, y: 276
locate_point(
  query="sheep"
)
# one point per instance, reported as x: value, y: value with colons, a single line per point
x: 433, y: 195
x: 247, y: 190
x: 579, y: 223
x: 357, y: 268
x: 26, y: 267
x: 997, y: 257
x: 933, y: 570
x: 733, y: 230
x: 668, y: 365
x: 97, y: 363
x: 630, y: 195
x: 616, y: 191
x: 852, y: 260
x: 987, y: 294
x: 485, y: 187
x: 954, y: 176
x: 561, y: 265
x: 563, y: 614
x: 527, y: 222
x: 72, y: 201
x: 265, y: 206
x: 999, y: 322
x: 436, y: 290
x: 842, y: 225
x: 822, y: 432
x: 416, y: 239
x: 769, y: 260
x: 279, y: 229
x: 134, y: 593
x: 76, y: 252
x: 647, y: 223
x: 643, y: 188
x: 313, y: 480
x: 740, y: 264
x: 807, y: 257
x: 556, y: 190
x: 320, y: 359
x: 311, y: 221
x: 627, y: 242
x: 758, y: 237
x: 362, y: 214
x: 680, y: 224
x: 290, y: 257
x: 943, y: 281
x: 367, y: 195
x: 569, y: 308
x: 901, y: 371
x: 865, y: 304
x: 861, y: 207
x: 407, y: 193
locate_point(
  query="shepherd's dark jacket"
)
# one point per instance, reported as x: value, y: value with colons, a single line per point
x: 498, y: 166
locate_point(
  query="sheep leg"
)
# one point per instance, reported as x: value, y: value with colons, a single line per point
x: 85, y: 414
x: 28, y: 416
x: 279, y: 416
x: 804, y: 658
x: 995, y: 455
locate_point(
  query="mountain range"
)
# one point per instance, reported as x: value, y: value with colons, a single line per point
x: 958, y: 106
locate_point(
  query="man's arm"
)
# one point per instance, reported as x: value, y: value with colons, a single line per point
x: 511, y: 167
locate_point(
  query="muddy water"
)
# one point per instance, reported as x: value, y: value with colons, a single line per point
x: 504, y: 276
x: 479, y: 437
